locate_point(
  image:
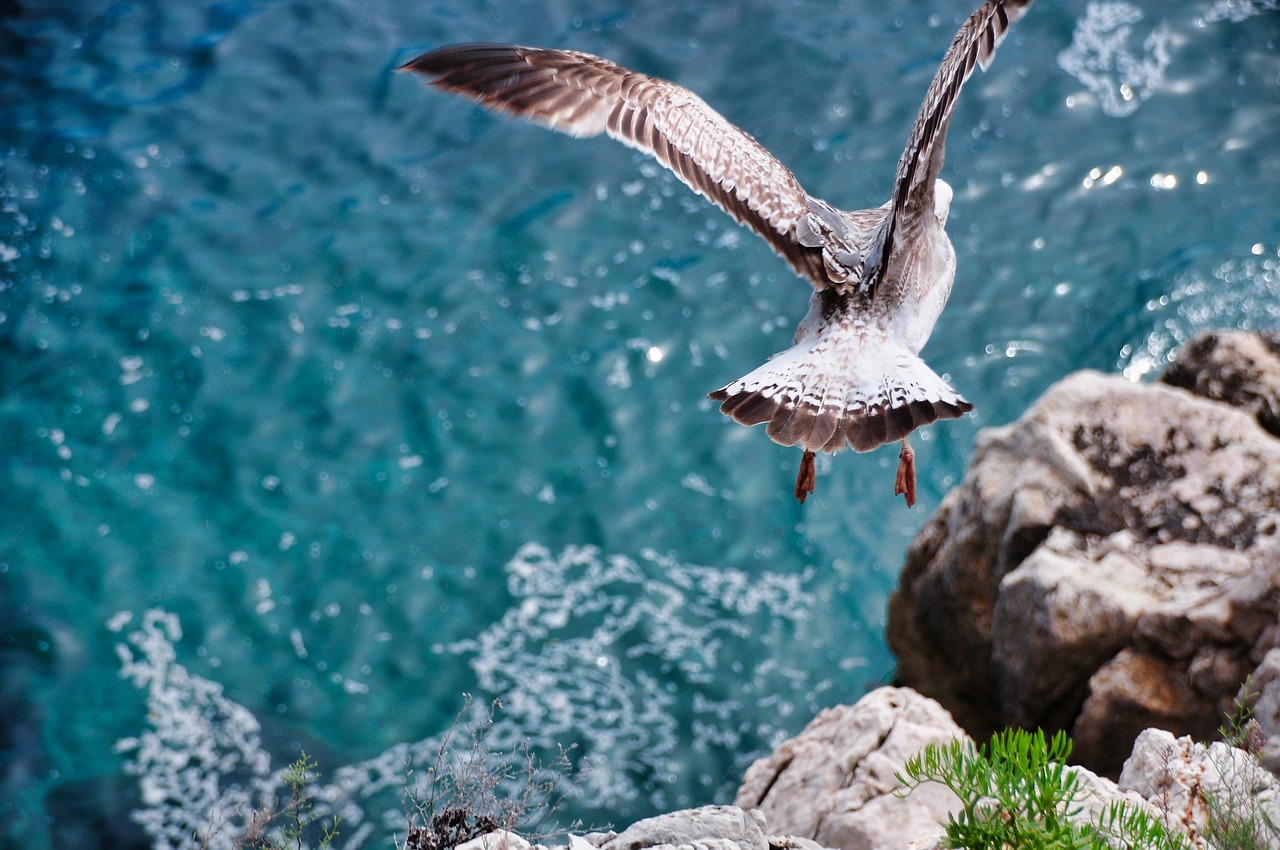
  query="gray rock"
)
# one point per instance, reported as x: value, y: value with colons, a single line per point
x: 1237, y: 367
x: 1265, y: 686
x: 1130, y: 693
x: 932, y: 842
x: 1111, y: 561
x: 835, y: 784
x: 1191, y: 784
x: 1097, y: 795
x: 706, y: 828
x: 499, y: 839
x: 1054, y: 606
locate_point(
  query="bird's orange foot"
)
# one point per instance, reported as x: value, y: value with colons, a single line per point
x: 806, y: 477
x: 905, y: 485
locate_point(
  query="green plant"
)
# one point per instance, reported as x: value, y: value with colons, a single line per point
x: 297, y: 818
x: 1239, y: 825
x: 1132, y: 828
x: 1239, y: 729
x: 1016, y: 791
x: 1235, y: 819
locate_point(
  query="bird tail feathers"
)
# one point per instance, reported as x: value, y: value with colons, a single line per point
x: 812, y: 397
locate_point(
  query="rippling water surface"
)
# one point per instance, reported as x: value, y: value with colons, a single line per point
x: 326, y: 399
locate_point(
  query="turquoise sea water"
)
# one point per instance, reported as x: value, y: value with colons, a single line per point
x: 326, y: 399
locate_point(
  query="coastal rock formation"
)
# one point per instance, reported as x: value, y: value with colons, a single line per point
x: 1236, y: 367
x: 709, y: 828
x: 1111, y: 561
x: 833, y: 785
x: 499, y: 839
x: 1191, y: 783
x: 834, y: 782
x: 1266, y: 709
x: 705, y: 828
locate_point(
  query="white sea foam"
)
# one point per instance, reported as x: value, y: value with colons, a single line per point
x: 1238, y: 10
x: 200, y: 765
x: 1105, y: 56
x: 605, y: 652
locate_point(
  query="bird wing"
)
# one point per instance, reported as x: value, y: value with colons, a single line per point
x: 913, y: 189
x: 584, y: 95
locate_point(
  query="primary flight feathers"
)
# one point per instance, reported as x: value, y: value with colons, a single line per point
x: 584, y: 95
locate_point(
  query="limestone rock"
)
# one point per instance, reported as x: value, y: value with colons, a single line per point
x: 706, y: 828
x: 1190, y: 783
x: 1131, y: 692
x: 1050, y: 608
x: 1097, y: 794
x: 499, y: 839
x: 834, y: 783
x: 1265, y: 687
x: 1240, y: 368
x: 932, y: 842
x: 1111, y: 560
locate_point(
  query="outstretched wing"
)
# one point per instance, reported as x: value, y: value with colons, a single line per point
x: 974, y: 44
x: 584, y: 95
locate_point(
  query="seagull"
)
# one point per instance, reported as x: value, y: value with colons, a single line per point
x: 853, y: 376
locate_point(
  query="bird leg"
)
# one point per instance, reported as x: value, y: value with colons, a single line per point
x: 806, y: 477
x: 905, y: 485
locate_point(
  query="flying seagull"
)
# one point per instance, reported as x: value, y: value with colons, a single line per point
x: 880, y: 276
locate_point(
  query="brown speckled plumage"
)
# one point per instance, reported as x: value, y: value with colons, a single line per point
x: 880, y: 276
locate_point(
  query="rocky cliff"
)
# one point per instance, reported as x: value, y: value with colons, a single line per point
x: 1111, y: 561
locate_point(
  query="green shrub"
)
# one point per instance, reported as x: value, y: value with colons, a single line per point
x: 296, y: 820
x: 1016, y: 792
